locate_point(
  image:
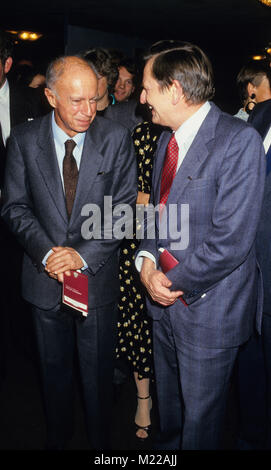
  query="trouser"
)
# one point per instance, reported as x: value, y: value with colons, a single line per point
x: 266, y: 333
x: 192, y: 387
x: 59, y: 334
x: 251, y: 389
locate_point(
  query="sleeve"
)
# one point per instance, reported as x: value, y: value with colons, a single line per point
x: 18, y: 211
x: 235, y: 218
x: 96, y: 252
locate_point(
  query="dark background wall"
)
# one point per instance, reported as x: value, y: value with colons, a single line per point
x: 79, y: 39
x: 229, y: 31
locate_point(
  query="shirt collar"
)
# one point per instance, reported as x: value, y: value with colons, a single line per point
x: 60, y: 136
x: 187, y: 131
x: 4, y: 90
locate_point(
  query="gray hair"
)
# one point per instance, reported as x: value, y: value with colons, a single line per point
x: 57, y: 67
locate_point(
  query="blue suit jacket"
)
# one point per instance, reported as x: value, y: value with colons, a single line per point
x: 222, y: 180
x: 260, y: 118
x: 34, y: 204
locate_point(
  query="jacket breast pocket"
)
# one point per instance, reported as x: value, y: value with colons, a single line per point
x: 103, y: 175
x: 200, y: 183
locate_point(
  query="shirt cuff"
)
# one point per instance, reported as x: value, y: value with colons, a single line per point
x: 85, y: 264
x: 139, y: 259
x: 44, y: 261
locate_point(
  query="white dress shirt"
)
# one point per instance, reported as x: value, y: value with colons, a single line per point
x: 184, y: 135
x: 5, y: 111
x: 60, y: 138
x: 267, y: 140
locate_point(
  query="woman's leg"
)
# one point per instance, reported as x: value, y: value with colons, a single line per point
x: 144, y: 404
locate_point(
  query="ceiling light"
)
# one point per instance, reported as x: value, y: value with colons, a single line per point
x: 258, y: 57
x: 24, y: 35
x: 29, y: 36
x: 266, y: 2
x: 33, y: 36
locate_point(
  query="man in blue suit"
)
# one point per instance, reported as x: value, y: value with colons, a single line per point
x: 260, y: 118
x: 46, y: 196
x: 211, y: 165
x: 254, y: 371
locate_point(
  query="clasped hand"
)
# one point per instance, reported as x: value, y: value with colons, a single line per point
x: 157, y: 284
x: 64, y: 259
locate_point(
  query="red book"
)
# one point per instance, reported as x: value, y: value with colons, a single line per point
x: 167, y: 262
x: 75, y: 292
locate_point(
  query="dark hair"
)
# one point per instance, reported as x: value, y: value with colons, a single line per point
x: 57, y: 67
x: 6, y: 46
x: 130, y: 66
x: 253, y: 72
x: 185, y: 62
x: 104, y: 64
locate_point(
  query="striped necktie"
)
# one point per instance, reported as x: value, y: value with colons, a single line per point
x: 169, y: 170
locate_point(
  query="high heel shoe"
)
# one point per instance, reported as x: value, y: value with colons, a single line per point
x: 147, y: 428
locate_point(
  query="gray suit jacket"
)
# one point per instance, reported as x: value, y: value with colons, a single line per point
x: 222, y: 181
x: 34, y: 204
x: 125, y: 114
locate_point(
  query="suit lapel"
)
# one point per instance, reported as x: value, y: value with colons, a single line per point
x: 12, y: 107
x: 91, y: 161
x: 261, y: 121
x: 48, y: 166
x: 196, y: 154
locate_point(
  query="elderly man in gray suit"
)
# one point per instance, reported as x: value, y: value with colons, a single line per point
x: 208, y: 180
x: 47, y: 196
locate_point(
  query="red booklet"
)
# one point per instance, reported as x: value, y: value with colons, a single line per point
x: 167, y: 262
x: 75, y: 292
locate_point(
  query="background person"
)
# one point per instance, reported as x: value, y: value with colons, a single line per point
x: 254, y: 86
x: 107, y: 76
x: 254, y: 367
x: 125, y: 85
x: 17, y: 105
x: 134, y: 345
x: 128, y: 110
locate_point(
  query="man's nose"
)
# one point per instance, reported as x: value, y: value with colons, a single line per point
x: 87, y: 110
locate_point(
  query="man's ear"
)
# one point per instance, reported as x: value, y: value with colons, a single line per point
x: 251, y: 88
x: 51, y: 97
x: 176, y: 92
x: 8, y: 65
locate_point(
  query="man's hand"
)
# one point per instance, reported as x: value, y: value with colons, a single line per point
x: 63, y: 260
x: 157, y: 284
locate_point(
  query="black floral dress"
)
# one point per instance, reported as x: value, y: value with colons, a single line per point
x: 134, y: 326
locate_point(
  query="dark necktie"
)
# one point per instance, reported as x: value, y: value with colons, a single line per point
x: 70, y: 175
x: 169, y: 170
